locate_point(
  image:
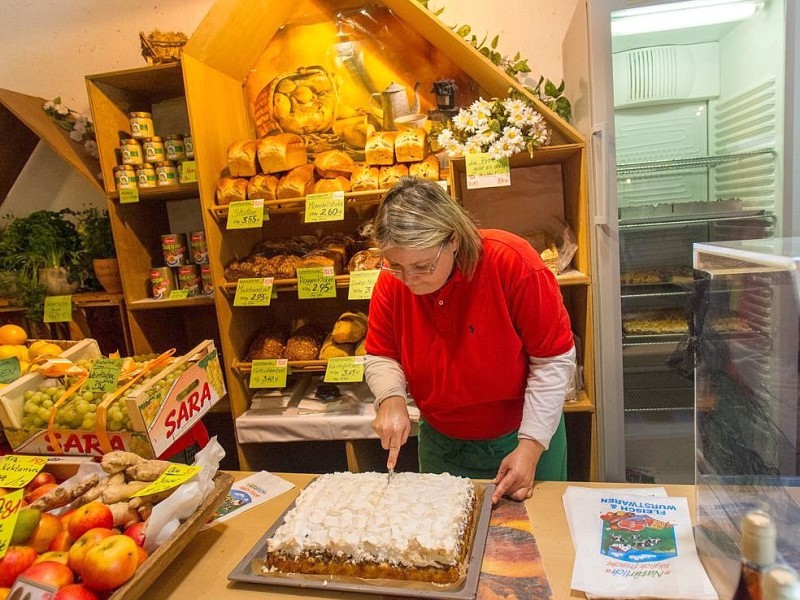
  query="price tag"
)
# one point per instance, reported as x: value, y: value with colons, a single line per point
x: 28, y: 589
x: 188, y: 171
x: 326, y: 206
x: 486, y: 172
x: 18, y: 471
x: 345, y: 369
x: 246, y: 214
x: 9, y: 510
x: 361, y: 284
x: 269, y: 373
x: 178, y: 295
x: 253, y: 291
x: 9, y: 369
x: 103, y: 376
x: 174, y: 476
x: 58, y: 309
x: 316, y: 282
x: 128, y: 195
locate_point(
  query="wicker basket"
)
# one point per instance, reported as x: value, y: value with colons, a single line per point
x: 162, y: 47
x: 545, y: 245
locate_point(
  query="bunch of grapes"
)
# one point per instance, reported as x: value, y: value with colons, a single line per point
x: 36, y: 410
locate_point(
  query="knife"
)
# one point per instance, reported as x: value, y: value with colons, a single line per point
x: 389, y: 479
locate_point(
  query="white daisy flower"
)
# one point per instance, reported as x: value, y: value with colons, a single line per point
x: 62, y: 109
x: 76, y: 135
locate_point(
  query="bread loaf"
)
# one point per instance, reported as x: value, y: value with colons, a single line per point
x: 231, y: 189
x: 349, y: 328
x: 334, y: 163
x: 281, y: 152
x: 427, y: 169
x: 331, y: 349
x: 411, y: 145
x: 365, y: 260
x: 286, y: 268
x: 263, y: 186
x: 242, y: 158
x: 361, y: 348
x: 389, y: 176
x: 268, y: 343
x: 335, y: 184
x: 296, y: 183
x: 321, y: 258
x: 305, y: 343
x: 380, y: 148
x: 363, y: 178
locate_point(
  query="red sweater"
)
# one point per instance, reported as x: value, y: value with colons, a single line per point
x: 464, y: 348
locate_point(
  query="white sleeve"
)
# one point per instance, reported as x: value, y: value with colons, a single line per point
x: 548, y: 379
x: 385, y: 378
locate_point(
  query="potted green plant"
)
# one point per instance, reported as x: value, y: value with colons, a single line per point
x: 99, y: 251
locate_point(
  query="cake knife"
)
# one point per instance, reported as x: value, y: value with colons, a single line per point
x: 391, y: 474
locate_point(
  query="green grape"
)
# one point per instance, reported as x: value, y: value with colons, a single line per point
x: 28, y: 394
x: 47, y: 403
x: 30, y: 407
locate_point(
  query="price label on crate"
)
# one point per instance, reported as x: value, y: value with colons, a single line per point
x: 316, y: 282
x: 178, y: 295
x: 58, y: 309
x: 361, y: 284
x: 269, y: 373
x: 486, y: 172
x: 188, y: 171
x: 18, y: 471
x: 174, y: 476
x: 9, y: 369
x: 104, y: 376
x: 345, y: 369
x: 246, y: 214
x: 128, y: 195
x: 9, y: 510
x: 325, y: 206
x: 253, y: 291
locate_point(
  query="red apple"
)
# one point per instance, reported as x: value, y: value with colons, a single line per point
x: 78, y: 550
x: 49, y: 572
x: 75, y: 591
x: 40, y: 491
x: 65, y: 517
x: 89, y: 516
x: 62, y: 541
x: 61, y: 557
x: 41, y: 478
x: 142, y: 556
x: 137, y: 532
x: 15, y: 561
x: 44, y: 533
x: 110, y: 563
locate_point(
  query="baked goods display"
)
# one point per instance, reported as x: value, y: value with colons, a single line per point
x: 242, y: 158
x: 364, y: 178
x: 411, y: 145
x: 268, y: 343
x: 231, y: 189
x: 305, y: 343
x: 380, y: 148
x: 415, y: 527
x: 350, y: 327
x: 296, y: 183
x: 333, y: 184
x: 334, y: 163
x: 425, y: 169
x: 364, y: 260
x: 679, y: 275
x: 654, y: 322
x: 263, y: 186
x: 281, y: 152
x: 389, y: 176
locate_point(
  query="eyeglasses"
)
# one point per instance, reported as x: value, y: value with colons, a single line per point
x: 400, y: 273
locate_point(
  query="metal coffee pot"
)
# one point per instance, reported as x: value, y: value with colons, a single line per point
x: 392, y: 102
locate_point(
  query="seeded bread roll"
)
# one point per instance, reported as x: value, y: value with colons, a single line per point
x: 411, y: 145
x: 389, y: 176
x: 349, y: 328
x: 281, y: 152
x: 380, y: 148
x: 336, y: 184
x: 331, y: 349
x: 268, y: 343
x: 231, y: 189
x: 427, y: 169
x: 305, y: 343
x: 364, y: 177
x: 287, y: 267
x: 296, y: 183
x: 262, y: 186
x: 242, y: 158
x: 334, y: 163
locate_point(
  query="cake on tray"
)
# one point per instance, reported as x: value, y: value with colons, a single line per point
x: 414, y: 527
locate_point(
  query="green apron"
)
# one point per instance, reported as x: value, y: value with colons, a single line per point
x: 480, y: 459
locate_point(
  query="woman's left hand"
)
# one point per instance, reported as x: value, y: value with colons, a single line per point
x: 515, y: 475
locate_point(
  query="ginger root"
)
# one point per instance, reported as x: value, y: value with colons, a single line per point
x: 124, y: 514
x: 121, y: 492
x: 119, y: 460
x: 149, y: 470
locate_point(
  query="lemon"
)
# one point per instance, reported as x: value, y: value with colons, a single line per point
x: 46, y: 349
x: 8, y: 350
x: 12, y: 334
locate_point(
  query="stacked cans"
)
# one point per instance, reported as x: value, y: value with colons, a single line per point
x: 185, y: 266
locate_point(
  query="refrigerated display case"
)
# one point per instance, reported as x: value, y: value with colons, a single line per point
x: 746, y: 314
x: 686, y: 119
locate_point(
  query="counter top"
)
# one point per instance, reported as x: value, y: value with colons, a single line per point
x: 201, y: 571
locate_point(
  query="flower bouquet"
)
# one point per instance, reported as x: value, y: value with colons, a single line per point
x: 498, y: 127
x: 78, y: 126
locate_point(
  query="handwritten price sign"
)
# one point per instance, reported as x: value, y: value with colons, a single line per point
x: 269, y: 373
x: 178, y: 295
x: 361, y: 284
x: 316, y: 282
x: 58, y: 309
x: 253, y: 291
x: 246, y: 214
x: 326, y: 206
x: 103, y: 376
x: 345, y: 369
x: 18, y: 471
x: 9, y: 510
x: 174, y: 476
x: 9, y: 369
x: 485, y: 172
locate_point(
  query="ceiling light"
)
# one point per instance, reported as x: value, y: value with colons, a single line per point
x: 681, y: 15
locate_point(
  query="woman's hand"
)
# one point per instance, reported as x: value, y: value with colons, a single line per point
x: 515, y: 475
x: 393, y: 425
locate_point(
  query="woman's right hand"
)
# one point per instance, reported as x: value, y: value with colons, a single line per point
x: 393, y: 426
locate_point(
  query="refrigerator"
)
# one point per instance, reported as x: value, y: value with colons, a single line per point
x: 690, y: 113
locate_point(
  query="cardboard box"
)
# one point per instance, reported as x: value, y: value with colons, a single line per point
x: 162, y: 409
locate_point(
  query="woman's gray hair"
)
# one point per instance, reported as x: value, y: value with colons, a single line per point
x: 417, y: 213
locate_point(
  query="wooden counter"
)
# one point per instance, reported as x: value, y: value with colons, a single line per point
x: 201, y: 571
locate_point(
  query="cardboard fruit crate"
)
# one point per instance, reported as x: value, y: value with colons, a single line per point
x: 162, y: 409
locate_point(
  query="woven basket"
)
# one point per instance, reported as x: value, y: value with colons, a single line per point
x: 158, y: 47
x: 545, y: 245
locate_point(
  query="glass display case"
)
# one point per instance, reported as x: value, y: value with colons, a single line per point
x: 744, y: 345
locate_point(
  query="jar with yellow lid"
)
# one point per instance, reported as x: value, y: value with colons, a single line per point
x: 146, y: 176
x: 174, y: 148
x: 130, y: 152
x: 166, y: 173
x: 141, y: 124
x: 153, y: 149
x: 124, y: 177
x: 188, y: 146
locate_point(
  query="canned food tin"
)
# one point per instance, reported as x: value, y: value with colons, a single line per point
x: 206, y: 281
x: 166, y: 173
x: 173, y: 248
x: 124, y: 177
x: 141, y: 124
x: 188, y: 146
x: 153, y: 149
x: 162, y: 282
x: 146, y: 176
x: 198, y: 247
x: 174, y: 148
x: 131, y: 152
x: 189, y: 279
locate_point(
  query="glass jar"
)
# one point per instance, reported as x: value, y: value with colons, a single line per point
x: 146, y: 176
x: 153, y: 149
x: 131, y: 152
x: 188, y: 146
x: 124, y: 177
x: 166, y: 173
x: 141, y: 124
x: 174, y: 148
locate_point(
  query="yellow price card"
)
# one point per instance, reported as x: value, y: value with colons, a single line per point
x: 361, y: 284
x: 174, y: 476
x: 188, y: 171
x: 316, y: 282
x: 128, y: 195
x: 178, y: 295
x: 345, y: 369
x: 269, y: 373
x: 9, y: 510
x: 9, y: 369
x: 57, y: 309
x: 18, y: 471
x: 325, y: 206
x: 486, y: 172
x: 246, y: 214
x: 253, y: 291
x: 103, y: 376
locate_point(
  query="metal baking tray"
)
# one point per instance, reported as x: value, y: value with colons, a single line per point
x: 467, y: 588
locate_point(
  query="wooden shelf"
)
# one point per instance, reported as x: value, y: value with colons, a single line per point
x: 151, y: 304
x: 243, y: 368
x: 582, y: 404
x: 179, y: 191
x: 353, y: 200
